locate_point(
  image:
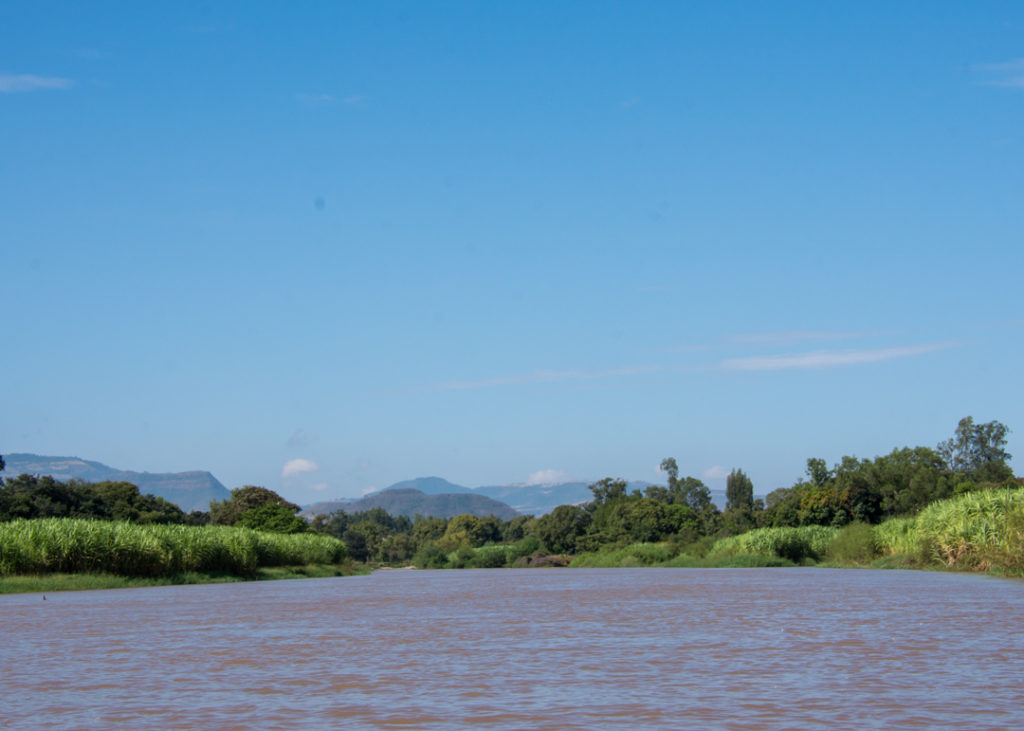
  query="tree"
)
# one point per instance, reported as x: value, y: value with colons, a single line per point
x: 975, y: 452
x: 558, y: 529
x: 605, y: 492
x: 242, y: 500
x: 273, y: 518
x: 739, y: 491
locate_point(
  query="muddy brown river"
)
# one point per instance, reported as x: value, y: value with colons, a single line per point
x: 524, y: 649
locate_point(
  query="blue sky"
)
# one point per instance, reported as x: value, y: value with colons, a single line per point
x: 324, y: 247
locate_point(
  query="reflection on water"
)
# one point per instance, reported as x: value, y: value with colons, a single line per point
x: 530, y: 649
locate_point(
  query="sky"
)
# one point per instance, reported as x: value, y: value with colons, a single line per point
x: 324, y: 247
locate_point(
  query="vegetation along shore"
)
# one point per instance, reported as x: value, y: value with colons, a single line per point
x: 957, y: 506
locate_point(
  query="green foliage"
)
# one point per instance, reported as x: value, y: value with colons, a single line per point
x: 635, y: 554
x: 526, y: 546
x: 559, y: 529
x: 273, y: 518
x: 794, y: 544
x: 968, y: 530
x: 739, y: 491
x: 34, y: 496
x: 856, y: 543
x: 489, y: 557
x: 976, y: 451
x: 76, y: 545
x: 430, y: 556
x: 469, y: 530
x: 242, y: 500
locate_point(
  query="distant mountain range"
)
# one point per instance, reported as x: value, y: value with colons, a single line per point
x: 433, y: 496
x: 188, y: 490
x: 523, y: 499
x: 411, y: 502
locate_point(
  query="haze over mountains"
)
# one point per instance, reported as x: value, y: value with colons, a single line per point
x: 524, y: 499
x: 188, y: 490
x: 433, y: 496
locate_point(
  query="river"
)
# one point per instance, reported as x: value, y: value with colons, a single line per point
x: 524, y: 649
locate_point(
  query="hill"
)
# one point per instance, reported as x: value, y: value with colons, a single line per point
x: 410, y: 501
x: 541, y: 499
x: 430, y: 486
x: 188, y: 490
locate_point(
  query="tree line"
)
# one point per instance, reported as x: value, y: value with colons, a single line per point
x: 681, y: 511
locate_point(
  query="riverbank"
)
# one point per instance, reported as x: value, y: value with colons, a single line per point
x: 50, y: 583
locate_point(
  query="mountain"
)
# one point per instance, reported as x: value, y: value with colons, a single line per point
x: 188, y: 490
x: 540, y: 499
x: 410, y: 501
x: 325, y: 507
x: 430, y: 486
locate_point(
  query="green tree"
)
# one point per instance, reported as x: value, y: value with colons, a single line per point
x: 559, y: 529
x: 606, y: 492
x: 976, y: 451
x: 242, y: 500
x: 739, y: 491
x: 468, y: 530
x: 273, y: 518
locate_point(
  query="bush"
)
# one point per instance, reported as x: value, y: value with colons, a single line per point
x: 430, y: 556
x: 798, y: 545
x: 489, y: 557
x: 856, y: 543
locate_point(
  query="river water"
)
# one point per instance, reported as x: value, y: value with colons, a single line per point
x: 524, y: 649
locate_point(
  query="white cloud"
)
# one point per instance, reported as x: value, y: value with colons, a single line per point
x: 319, y: 487
x: 827, y: 358
x: 298, y: 466
x: 715, y: 473
x: 11, y: 83
x: 1007, y: 74
x: 547, y: 477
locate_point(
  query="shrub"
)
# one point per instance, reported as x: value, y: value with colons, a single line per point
x: 856, y: 543
x: 807, y: 542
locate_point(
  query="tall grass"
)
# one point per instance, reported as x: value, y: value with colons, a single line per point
x: 128, y: 549
x: 794, y: 544
x: 635, y: 554
x: 977, y: 530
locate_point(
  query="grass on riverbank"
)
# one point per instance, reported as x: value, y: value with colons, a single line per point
x: 978, y: 531
x: 75, y: 546
x: 51, y: 583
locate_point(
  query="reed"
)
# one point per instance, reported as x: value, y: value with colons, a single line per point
x: 635, y: 554
x: 71, y: 545
x: 794, y: 544
x: 977, y: 530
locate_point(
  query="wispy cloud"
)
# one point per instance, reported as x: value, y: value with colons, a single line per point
x: 1007, y: 73
x: 547, y: 477
x: 13, y: 83
x: 298, y: 466
x: 789, y: 337
x: 715, y: 473
x: 547, y: 377
x: 315, y: 98
x: 686, y: 348
x: 298, y: 439
x: 828, y: 358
